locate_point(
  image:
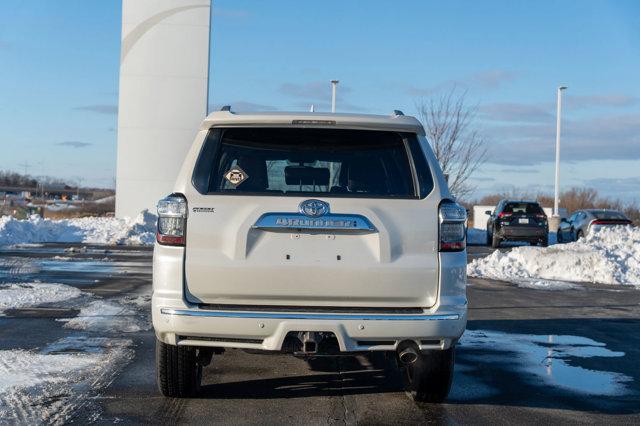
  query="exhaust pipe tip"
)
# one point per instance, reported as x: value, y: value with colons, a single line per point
x: 408, y: 352
x: 408, y: 356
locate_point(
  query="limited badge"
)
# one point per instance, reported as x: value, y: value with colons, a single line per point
x: 236, y: 176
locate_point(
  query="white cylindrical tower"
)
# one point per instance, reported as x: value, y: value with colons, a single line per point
x: 164, y: 66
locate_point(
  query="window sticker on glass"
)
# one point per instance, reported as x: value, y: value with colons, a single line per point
x: 236, y: 176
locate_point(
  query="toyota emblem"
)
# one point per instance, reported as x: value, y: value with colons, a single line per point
x: 313, y: 208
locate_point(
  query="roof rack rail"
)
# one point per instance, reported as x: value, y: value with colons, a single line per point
x: 397, y: 112
x: 226, y: 108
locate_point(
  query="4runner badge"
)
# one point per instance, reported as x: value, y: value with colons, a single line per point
x: 313, y: 208
x: 204, y: 209
x: 236, y: 176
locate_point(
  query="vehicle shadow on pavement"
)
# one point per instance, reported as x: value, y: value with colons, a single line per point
x: 578, y: 365
x: 330, y: 376
x: 589, y: 365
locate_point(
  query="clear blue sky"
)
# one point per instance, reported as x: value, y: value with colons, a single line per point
x: 59, y: 77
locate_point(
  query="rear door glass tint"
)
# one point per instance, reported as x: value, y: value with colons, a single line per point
x: 303, y: 161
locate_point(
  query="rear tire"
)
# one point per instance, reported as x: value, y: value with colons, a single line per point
x: 559, y: 237
x: 178, y: 372
x: 488, y: 238
x: 429, y: 378
x: 544, y: 242
x: 495, y: 241
x: 579, y: 235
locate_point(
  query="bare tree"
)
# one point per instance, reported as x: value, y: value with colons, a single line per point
x: 456, y: 142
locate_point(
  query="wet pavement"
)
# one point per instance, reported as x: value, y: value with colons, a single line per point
x: 528, y: 356
x: 71, y: 264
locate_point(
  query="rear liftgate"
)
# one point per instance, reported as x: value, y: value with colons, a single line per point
x: 313, y: 216
x: 249, y: 253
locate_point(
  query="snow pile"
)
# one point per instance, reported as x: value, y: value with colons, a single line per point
x: 92, y: 230
x: 21, y: 295
x: 608, y: 256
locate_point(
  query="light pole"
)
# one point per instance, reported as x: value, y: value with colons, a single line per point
x: 79, y: 184
x: 334, y: 86
x: 556, y: 199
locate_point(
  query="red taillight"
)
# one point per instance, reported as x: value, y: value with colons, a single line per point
x: 172, y: 220
x: 452, y: 218
x: 452, y: 246
x: 611, y: 222
x: 504, y: 214
x: 170, y: 240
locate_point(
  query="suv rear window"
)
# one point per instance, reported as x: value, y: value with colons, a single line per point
x: 304, y: 161
x: 526, y: 208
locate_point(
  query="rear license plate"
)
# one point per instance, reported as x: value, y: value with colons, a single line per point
x: 523, y: 220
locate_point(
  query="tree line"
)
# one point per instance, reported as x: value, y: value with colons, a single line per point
x: 8, y: 178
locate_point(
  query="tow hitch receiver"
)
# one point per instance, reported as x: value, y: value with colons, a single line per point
x: 309, y: 341
x: 311, y: 344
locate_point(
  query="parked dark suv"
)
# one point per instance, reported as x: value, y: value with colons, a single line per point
x: 517, y: 221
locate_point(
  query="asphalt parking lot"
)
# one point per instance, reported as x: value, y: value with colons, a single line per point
x: 528, y: 356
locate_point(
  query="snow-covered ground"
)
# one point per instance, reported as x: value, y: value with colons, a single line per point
x: 22, y: 295
x: 47, y: 386
x: 102, y: 315
x: 92, y: 230
x: 49, y: 382
x: 608, y: 256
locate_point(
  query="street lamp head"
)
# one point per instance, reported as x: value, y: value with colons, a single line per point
x: 335, y: 81
x: 562, y: 87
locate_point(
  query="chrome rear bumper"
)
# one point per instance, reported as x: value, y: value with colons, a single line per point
x: 307, y: 316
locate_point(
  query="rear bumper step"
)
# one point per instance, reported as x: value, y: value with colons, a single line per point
x: 310, y: 309
x: 308, y: 316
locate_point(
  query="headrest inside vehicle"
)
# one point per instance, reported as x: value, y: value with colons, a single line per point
x: 302, y: 175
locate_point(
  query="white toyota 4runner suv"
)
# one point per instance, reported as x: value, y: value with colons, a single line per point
x: 311, y: 234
